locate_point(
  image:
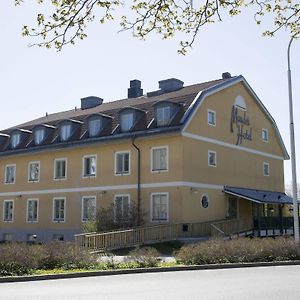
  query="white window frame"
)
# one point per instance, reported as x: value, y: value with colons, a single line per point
x: 83, y: 166
x: 15, y: 167
x: 65, y: 209
x: 68, y: 134
x: 151, y: 207
x: 208, y: 162
x: 93, y: 119
x: 36, y: 141
x: 129, y: 203
x: 37, y: 211
x: 266, y: 132
x: 15, y: 142
x: 266, y: 164
x: 164, y: 119
x: 116, y: 162
x: 13, y: 210
x: 209, y: 111
x: 54, y: 168
x: 28, y: 178
x: 167, y: 159
x: 132, y: 114
x: 83, y: 219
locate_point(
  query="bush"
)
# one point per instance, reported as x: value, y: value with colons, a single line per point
x: 144, y: 257
x: 21, y: 259
x: 240, y: 250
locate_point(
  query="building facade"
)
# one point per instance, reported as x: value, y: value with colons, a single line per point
x: 184, y: 154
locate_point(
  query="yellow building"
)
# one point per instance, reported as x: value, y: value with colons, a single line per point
x: 204, y: 152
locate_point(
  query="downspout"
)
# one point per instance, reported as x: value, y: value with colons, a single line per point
x: 138, y: 180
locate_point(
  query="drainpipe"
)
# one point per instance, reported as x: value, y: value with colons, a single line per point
x: 138, y: 180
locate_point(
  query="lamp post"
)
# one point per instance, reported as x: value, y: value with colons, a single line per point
x: 293, y: 152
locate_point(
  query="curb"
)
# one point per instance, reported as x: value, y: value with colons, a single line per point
x: 146, y: 270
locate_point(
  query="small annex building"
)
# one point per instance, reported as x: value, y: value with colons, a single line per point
x: 204, y: 152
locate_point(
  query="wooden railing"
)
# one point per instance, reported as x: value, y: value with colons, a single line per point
x: 231, y: 227
x: 158, y: 233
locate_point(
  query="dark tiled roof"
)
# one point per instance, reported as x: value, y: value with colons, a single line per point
x: 259, y: 196
x: 185, y: 96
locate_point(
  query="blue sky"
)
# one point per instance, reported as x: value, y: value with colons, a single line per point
x: 35, y: 81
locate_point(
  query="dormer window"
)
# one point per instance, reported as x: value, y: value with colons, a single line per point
x: 163, y: 115
x: 126, y: 121
x: 39, y: 135
x: 94, y: 126
x: 15, y: 139
x: 65, y: 131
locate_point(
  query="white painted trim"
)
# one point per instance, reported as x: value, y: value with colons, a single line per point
x: 54, y: 168
x: 120, y: 195
x: 10, y: 165
x: 151, y: 207
x: 53, y: 210
x: 167, y: 159
x: 83, y: 160
x: 37, y: 213
x: 28, y: 171
x: 266, y: 164
x: 208, y: 163
x: 215, y: 117
x: 267, y: 131
x: 82, y: 208
x: 13, y: 211
x: 129, y: 162
x: 228, y: 145
x: 115, y: 187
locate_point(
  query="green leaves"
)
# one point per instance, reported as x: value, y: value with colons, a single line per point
x: 67, y: 21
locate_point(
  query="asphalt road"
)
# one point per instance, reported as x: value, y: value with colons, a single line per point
x: 245, y: 283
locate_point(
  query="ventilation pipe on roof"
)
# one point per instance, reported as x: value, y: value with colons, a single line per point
x: 135, y: 89
x: 90, y: 102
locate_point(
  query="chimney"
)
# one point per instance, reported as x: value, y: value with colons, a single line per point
x: 170, y: 85
x: 226, y: 75
x: 90, y: 102
x: 135, y: 89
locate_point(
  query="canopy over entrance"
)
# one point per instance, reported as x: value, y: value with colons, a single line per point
x: 259, y: 196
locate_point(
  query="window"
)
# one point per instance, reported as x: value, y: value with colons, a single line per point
x: 211, y: 117
x: 122, y: 162
x: 65, y: 132
x: 10, y: 174
x: 59, y: 209
x: 58, y: 237
x: 33, y: 171
x: 15, y: 139
x: 266, y: 169
x: 60, y: 168
x: 163, y: 115
x: 204, y: 201
x: 32, y: 210
x: 265, y: 135
x: 8, y: 210
x: 94, y: 126
x: 232, y: 208
x: 212, y: 158
x: 39, y: 135
x: 88, y: 208
x: 7, y: 237
x: 121, y: 208
x: 159, y: 207
x: 89, y: 166
x: 126, y: 121
x: 159, y: 159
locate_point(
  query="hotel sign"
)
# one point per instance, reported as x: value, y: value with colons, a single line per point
x: 240, y: 124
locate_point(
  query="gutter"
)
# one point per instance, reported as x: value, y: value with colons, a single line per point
x: 138, y: 180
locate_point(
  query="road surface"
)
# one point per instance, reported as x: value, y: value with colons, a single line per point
x: 245, y: 283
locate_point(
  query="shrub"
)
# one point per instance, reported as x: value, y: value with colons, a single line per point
x: 144, y: 257
x: 241, y: 250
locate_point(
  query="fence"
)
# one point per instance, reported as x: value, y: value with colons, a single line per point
x: 158, y: 233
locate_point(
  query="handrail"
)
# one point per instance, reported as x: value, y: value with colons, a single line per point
x: 218, y: 229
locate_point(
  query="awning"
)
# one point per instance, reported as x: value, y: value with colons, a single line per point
x: 259, y: 196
